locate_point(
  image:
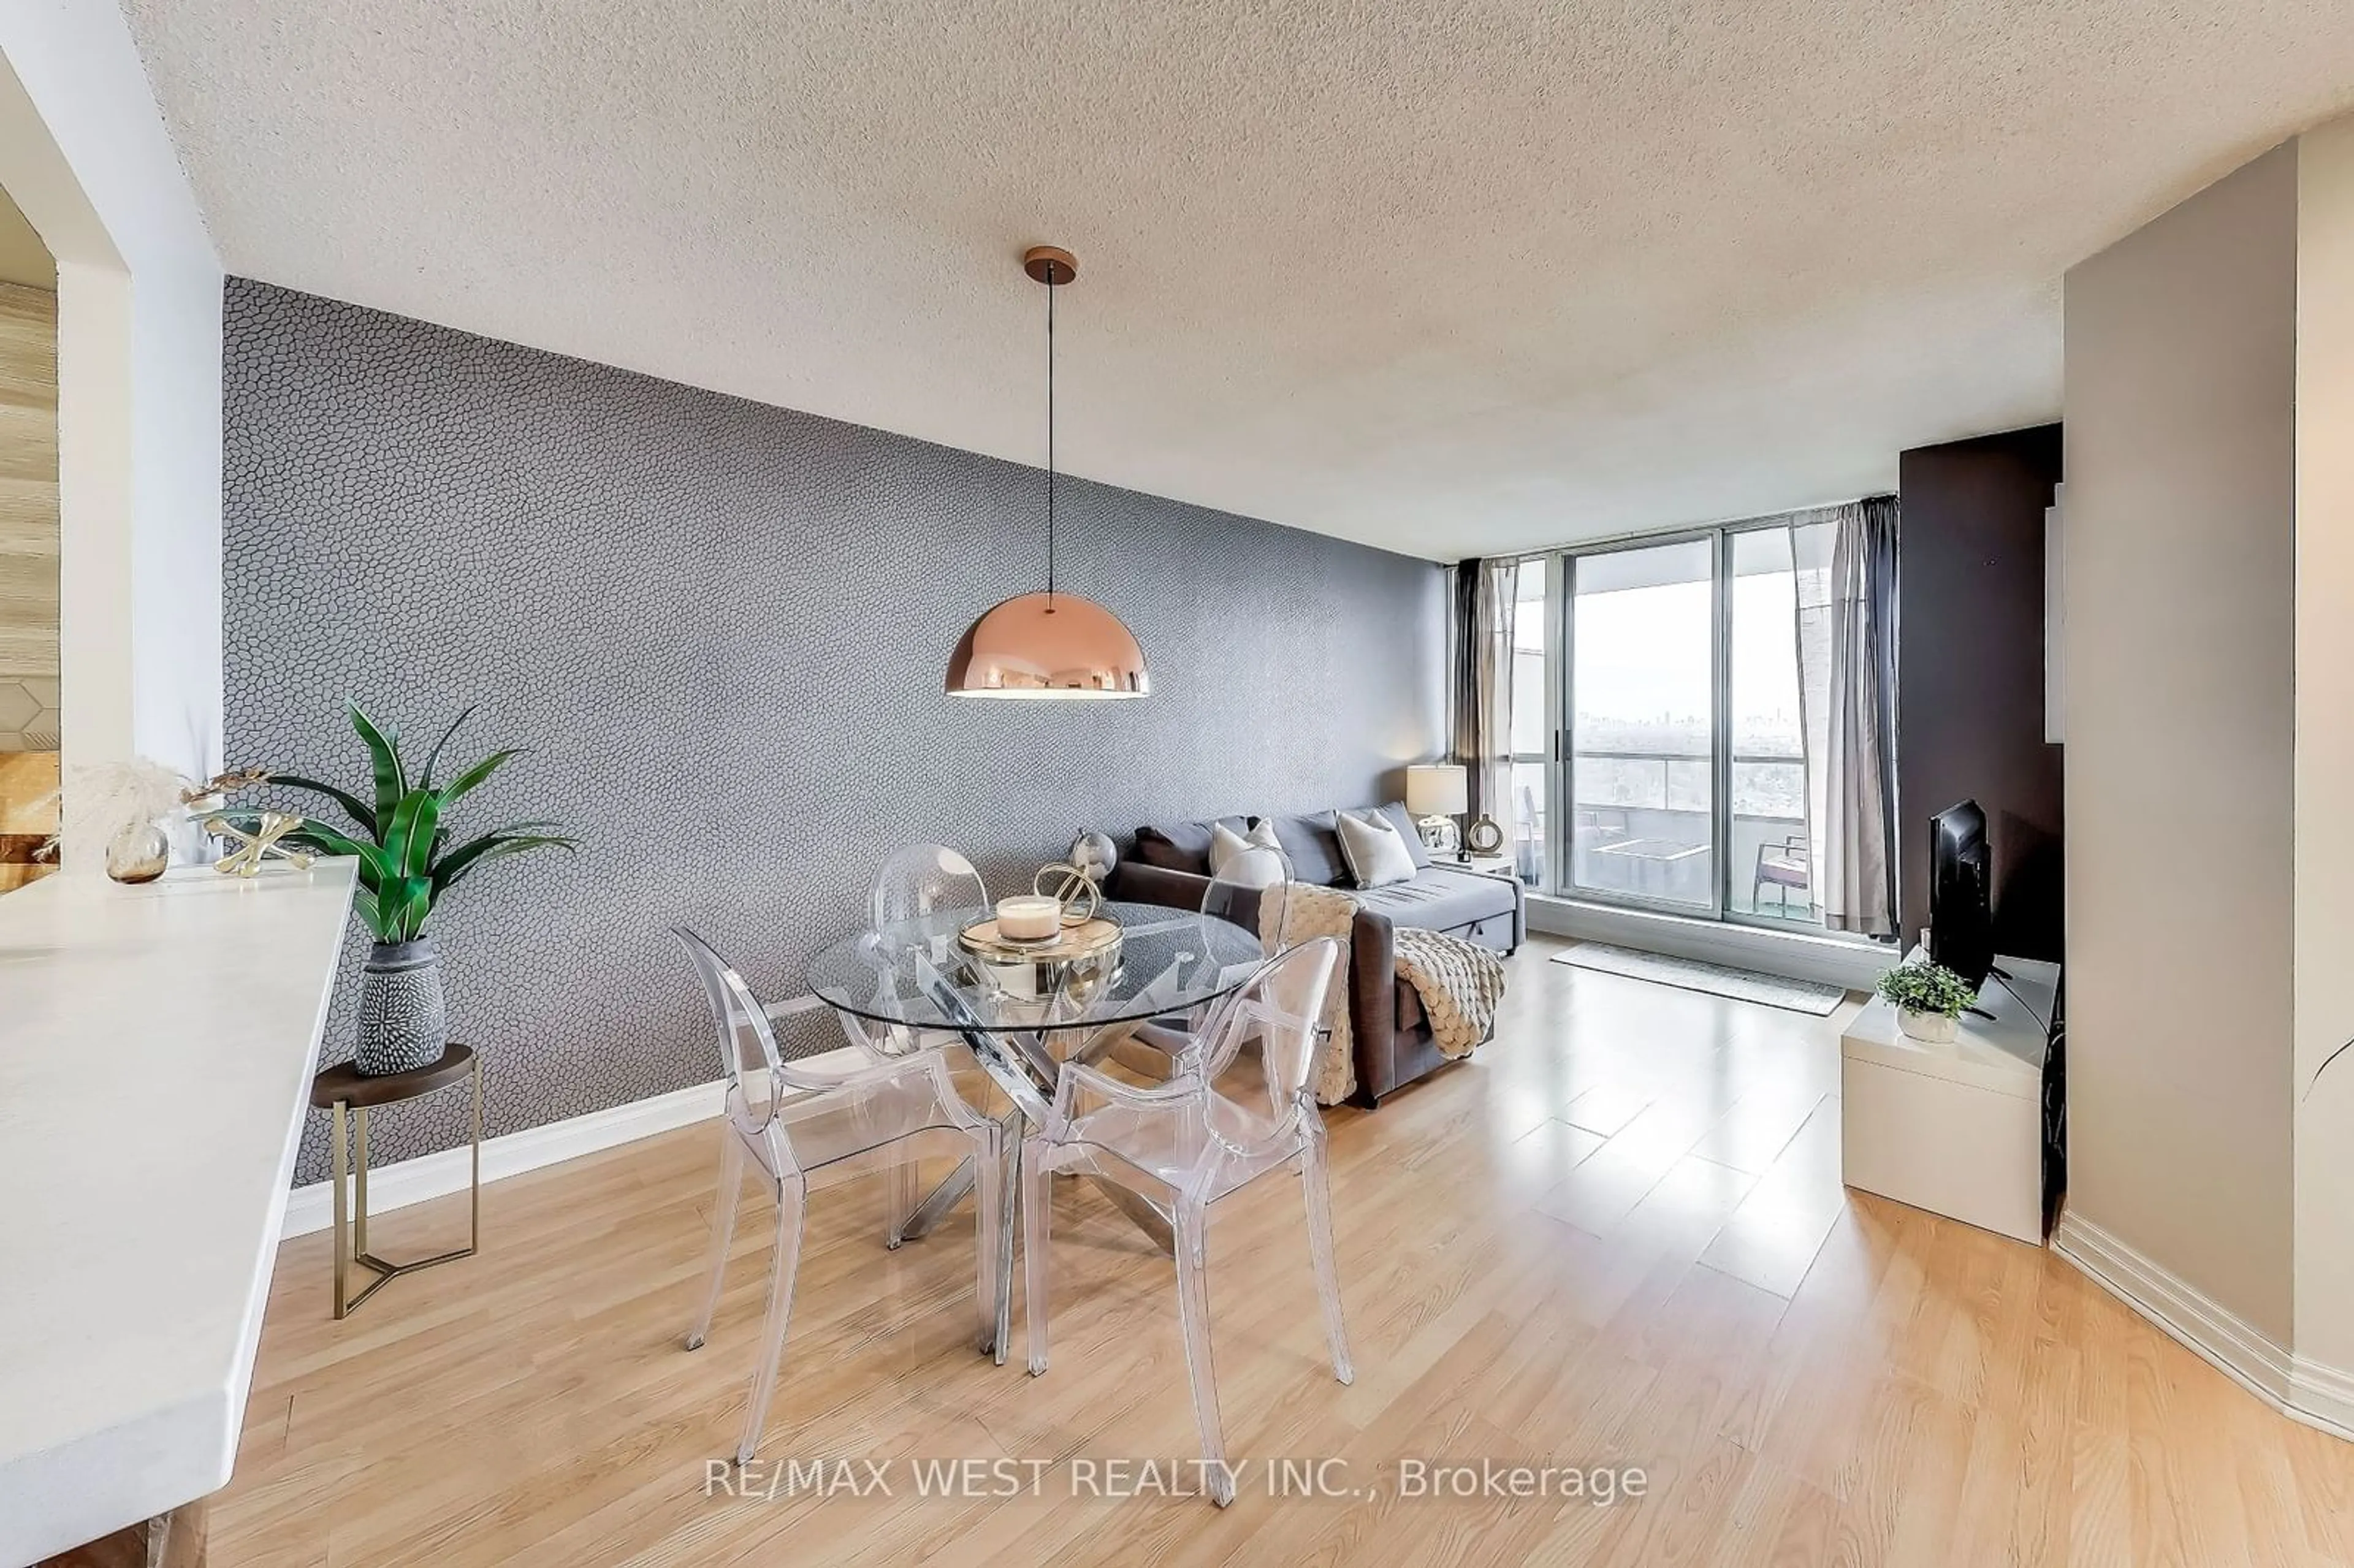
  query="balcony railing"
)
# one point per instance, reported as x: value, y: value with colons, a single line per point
x: 1685, y: 782
x: 1669, y: 795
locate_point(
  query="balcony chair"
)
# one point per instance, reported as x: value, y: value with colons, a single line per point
x: 1785, y: 866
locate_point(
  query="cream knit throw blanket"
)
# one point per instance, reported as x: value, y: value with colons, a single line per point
x: 1319, y: 912
x: 1459, y: 982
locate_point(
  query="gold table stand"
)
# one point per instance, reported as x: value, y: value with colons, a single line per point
x: 342, y: 1092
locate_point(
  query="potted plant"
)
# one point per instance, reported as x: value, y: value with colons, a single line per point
x: 406, y: 864
x: 1928, y: 999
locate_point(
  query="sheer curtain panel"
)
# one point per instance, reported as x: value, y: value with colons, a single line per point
x: 1485, y: 597
x: 1846, y: 564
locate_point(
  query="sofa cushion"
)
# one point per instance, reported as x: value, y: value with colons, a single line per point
x: 1403, y: 820
x: 1181, y: 846
x: 1443, y: 899
x: 1313, y: 845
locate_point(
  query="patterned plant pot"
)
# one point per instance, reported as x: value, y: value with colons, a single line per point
x: 404, y: 1023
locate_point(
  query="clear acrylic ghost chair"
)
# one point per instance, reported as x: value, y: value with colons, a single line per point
x: 915, y: 882
x: 806, y: 1130
x: 925, y: 879
x: 1188, y: 1142
x: 1234, y: 895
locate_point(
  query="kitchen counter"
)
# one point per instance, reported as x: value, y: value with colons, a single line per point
x: 156, y: 1048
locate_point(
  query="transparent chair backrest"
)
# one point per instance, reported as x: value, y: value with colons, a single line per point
x: 747, y: 1046
x: 924, y: 879
x: 1282, y: 1009
x: 1236, y: 894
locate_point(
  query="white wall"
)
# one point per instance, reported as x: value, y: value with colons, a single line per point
x: 2179, y: 695
x: 2209, y: 598
x: 84, y: 155
x: 2324, y: 744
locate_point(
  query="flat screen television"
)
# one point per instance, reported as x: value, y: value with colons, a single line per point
x: 1961, y: 915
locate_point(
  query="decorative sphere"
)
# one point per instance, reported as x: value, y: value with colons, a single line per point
x: 1094, y: 854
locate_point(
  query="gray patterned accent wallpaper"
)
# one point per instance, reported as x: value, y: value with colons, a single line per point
x: 722, y: 629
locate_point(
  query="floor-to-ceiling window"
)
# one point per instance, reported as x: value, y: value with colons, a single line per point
x: 1659, y: 728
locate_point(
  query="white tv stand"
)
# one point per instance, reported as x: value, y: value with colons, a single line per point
x: 1956, y: 1130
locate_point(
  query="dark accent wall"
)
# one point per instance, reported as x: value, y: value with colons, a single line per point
x: 722, y: 628
x: 1969, y: 673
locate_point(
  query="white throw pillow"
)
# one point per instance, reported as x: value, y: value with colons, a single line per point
x: 1230, y: 857
x: 1375, y: 853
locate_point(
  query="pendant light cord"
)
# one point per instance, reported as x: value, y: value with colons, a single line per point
x: 1050, y: 435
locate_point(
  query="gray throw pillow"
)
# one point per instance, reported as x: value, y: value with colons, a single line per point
x: 1377, y: 857
x: 1314, y: 847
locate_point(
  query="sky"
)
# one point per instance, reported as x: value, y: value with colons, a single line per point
x: 1642, y: 657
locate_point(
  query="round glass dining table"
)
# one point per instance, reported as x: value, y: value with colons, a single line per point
x: 1021, y: 1019
x: 914, y: 973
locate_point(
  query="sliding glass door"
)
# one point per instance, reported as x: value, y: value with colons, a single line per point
x: 1642, y: 724
x: 1660, y: 728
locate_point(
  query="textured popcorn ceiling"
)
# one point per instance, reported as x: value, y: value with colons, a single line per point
x: 1450, y: 278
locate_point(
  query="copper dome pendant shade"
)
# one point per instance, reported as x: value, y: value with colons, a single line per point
x: 1049, y: 645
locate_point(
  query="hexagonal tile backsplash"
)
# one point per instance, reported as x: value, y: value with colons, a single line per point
x: 28, y: 714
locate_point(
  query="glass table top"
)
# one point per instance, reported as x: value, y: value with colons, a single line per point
x: 915, y: 973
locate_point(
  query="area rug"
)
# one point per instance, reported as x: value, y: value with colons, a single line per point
x: 1717, y: 979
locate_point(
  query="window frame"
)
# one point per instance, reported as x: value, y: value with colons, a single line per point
x: 1560, y: 613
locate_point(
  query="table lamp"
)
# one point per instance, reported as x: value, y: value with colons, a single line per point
x: 1436, y: 792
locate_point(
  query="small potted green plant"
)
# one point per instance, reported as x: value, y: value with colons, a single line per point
x: 407, y: 865
x: 1928, y: 998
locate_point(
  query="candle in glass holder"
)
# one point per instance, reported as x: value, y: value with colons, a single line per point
x: 1029, y: 918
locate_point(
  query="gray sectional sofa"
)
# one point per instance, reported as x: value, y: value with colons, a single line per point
x: 1170, y: 863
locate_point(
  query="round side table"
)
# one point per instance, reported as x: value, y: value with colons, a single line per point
x: 340, y: 1089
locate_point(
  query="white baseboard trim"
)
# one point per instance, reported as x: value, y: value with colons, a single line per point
x: 437, y: 1175
x: 1795, y: 955
x: 2301, y: 1389
x: 2323, y: 1396
x: 2236, y: 1346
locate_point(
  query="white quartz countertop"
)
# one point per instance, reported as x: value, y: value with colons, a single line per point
x: 156, y: 1048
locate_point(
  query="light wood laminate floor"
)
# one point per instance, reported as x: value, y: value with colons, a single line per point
x: 1616, y: 1237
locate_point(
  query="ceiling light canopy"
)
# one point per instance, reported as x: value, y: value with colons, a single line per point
x: 1050, y: 645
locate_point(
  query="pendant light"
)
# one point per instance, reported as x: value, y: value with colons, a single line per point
x: 1050, y: 644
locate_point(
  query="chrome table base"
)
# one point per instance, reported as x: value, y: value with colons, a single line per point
x: 1022, y: 1066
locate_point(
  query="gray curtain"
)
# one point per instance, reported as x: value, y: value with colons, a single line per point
x: 1484, y: 600
x: 1846, y: 562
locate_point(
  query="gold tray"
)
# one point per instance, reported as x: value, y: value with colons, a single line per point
x: 1088, y: 938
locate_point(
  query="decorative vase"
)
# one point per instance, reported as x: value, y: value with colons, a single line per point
x: 138, y: 854
x: 1929, y: 1028
x: 404, y: 1023
x: 1094, y: 854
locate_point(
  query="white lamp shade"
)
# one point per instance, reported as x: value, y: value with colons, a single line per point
x: 1437, y: 790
